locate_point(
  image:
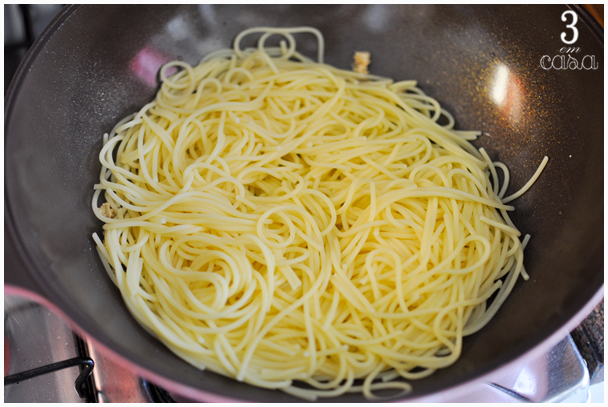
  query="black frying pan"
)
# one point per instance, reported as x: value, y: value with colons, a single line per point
x: 96, y: 64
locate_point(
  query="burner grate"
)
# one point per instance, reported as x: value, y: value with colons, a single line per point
x: 82, y: 386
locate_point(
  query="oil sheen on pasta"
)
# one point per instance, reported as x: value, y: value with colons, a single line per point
x: 302, y: 227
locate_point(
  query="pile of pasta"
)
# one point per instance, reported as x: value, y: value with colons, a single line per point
x: 300, y: 227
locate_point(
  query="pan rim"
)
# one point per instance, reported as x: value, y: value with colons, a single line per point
x: 452, y: 391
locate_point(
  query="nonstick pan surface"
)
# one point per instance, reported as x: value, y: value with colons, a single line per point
x: 96, y: 64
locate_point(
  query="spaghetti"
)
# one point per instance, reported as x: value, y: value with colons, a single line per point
x: 301, y: 227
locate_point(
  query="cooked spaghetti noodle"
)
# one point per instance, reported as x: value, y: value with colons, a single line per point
x: 301, y: 227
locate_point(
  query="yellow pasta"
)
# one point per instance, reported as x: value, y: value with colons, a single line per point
x: 301, y: 227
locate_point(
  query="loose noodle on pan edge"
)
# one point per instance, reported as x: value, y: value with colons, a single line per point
x: 285, y: 222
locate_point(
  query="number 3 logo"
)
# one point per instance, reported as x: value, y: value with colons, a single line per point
x: 570, y: 26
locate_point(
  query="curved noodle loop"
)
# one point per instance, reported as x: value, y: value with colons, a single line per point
x: 300, y: 227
